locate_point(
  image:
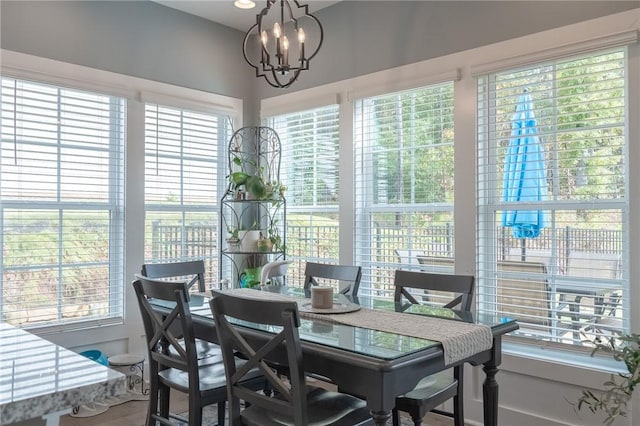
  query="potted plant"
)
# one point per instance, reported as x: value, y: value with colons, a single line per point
x: 250, y: 277
x: 233, y: 240
x: 247, y: 182
x: 274, y: 237
x: 619, y: 389
x: 264, y: 243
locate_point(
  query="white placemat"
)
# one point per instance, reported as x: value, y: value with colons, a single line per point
x: 460, y: 340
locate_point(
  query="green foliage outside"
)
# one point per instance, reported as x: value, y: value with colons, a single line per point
x: 44, y: 267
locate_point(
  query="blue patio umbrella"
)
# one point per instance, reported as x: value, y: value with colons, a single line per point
x: 524, y: 172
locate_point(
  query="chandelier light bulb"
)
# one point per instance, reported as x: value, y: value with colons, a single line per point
x: 301, y: 35
x: 276, y: 30
x: 263, y: 37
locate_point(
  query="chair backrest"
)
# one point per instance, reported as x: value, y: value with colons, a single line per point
x: 283, y: 348
x: 442, y: 265
x: 523, y: 293
x: 170, y: 338
x: 531, y: 255
x: 275, y: 269
x: 321, y: 273
x: 593, y: 265
x: 192, y: 270
x: 409, y: 256
x: 437, y: 288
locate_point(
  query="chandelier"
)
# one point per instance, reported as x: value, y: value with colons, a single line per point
x: 283, y: 42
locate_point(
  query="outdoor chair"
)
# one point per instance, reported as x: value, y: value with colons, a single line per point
x: 409, y: 256
x: 523, y: 293
x: 434, y: 390
x: 598, y: 267
x: 530, y: 255
x: 436, y: 264
x: 321, y: 273
x: 192, y: 270
x: 178, y: 368
x: 295, y: 403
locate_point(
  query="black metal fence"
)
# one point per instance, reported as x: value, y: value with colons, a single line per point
x: 321, y: 242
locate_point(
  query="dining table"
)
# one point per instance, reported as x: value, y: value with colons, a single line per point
x: 374, y: 364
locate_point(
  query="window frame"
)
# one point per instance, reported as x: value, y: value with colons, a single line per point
x: 490, y: 206
x: 136, y: 91
x: 113, y: 206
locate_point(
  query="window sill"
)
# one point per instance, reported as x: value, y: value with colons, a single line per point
x: 568, y: 366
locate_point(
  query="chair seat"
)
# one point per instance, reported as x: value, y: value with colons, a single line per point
x: 434, y: 389
x: 212, y: 376
x: 207, y: 352
x: 325, y: 408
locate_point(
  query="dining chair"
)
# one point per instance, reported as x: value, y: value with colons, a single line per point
x: 193, y: 270
x: 274, y: 270
x: 316, y: 273
x: 173, y: 358
x: 295, y: 402
x: 434, y: 390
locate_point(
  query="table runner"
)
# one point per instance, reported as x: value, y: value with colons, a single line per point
x: 460, y: 340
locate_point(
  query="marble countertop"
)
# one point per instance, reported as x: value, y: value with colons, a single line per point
x: 38, y: 377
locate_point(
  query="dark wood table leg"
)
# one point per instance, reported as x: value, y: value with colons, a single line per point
x: 490, y: 395
x: 490, y: 385
x: 380, y: 418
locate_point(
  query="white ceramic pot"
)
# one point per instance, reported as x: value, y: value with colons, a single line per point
x: 249, y: 240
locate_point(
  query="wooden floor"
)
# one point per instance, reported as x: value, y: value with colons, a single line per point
x: 133, y: 413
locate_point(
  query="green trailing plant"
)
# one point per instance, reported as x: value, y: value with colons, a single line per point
x: 250, y: 177
x: 619, y: 389
x: 274, y: 236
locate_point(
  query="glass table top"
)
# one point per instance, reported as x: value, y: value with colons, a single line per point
x: 358, y: 340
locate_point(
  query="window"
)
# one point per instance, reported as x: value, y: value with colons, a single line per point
x: 183, y: 150
x: 566, y: 282
x: 404, y: 184
x: 309, y: 170
x: 61, y: 210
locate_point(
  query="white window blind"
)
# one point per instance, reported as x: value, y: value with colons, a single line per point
x: 183, y: 151
x: 566, y: 283
x: 61, y: 210
x: 404, y: 184
x: 309, y: 170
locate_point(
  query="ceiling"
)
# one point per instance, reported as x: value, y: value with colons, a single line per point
x: 225, y: 13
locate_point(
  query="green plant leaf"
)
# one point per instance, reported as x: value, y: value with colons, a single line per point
x: 256, y: 186
x: 239, y: 178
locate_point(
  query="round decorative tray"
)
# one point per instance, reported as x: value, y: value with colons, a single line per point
x: 338, y: 308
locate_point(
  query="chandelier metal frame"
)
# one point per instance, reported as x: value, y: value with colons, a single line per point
x: 273, y: 62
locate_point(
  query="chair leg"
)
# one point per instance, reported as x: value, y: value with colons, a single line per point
x: 221, y: 412
x: 195, y: 411
x: 458, y: 411
x: 165, y: 395
x: 153, y: 404
x: 458, y: 399
x: 396, y: 417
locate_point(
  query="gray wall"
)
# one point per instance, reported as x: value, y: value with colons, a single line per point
x: 364, y: 37
x: 137, y: 38
x: 147, y: 40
